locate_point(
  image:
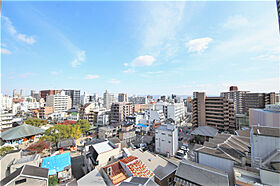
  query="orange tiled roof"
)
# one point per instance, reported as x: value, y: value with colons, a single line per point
x: 128, y: 159
x: 137, y: 167
x: 118, y: 175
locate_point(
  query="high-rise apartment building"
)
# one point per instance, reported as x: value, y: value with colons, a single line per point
x: 138, y: 100
x: 237, y: 97
x: 119, y: 111
x: 59, y: 102
x: 258, y: 100
x: 44, y: 93
x: 122, y: 97
x: 75, y: 96
x: 108, y: 99
x: 216, y: 112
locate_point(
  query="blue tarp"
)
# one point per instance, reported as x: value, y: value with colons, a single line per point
x: 142, y: 125
x: 57, y: 163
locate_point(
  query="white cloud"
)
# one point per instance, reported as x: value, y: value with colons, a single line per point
x: 81, y: 56
x: 198, y: 45
x: 236, y: 21
x: 5, y: 51
x: 29, y: 40
x: 125, y: 64
x: 54, y: 73
x: 160, y: 27
x: 143, y: 61
x: 130, y: 70
x: 114, y: 81
x: 11, y: 29
x: 89, y: 76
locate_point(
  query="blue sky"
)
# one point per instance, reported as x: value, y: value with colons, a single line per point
x: 140, y: 47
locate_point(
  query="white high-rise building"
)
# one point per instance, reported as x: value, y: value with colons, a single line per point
x: 108, y: 99
x: 60, y: 102
x: 166, y: 139
x: 6, y: 102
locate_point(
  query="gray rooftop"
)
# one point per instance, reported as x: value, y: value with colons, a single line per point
x: 25, y: 159
x: 200, y: 174
x: 21, y: 131
x: 205, y: 131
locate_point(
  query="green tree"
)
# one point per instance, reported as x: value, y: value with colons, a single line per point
x: 35, y: 122
x: 5, y: 149
x: 84, y: 125
x: 53, y: 181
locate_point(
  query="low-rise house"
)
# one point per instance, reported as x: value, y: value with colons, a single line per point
x: 26, y: 160
x: 100, y: 152
x: 114, y: 173
x: 141, y: 128
x: 66, y: 144
x: 106, y: 132
x: 138, y: 181
x: 204, y: 133
x: 74, y: 116
x: 59, y: 165
x: 163, y: 170
x: 27, y: 175
x: 191, y: 173
x: 223, y: 151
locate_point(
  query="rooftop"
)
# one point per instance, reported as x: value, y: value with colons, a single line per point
x: 205, y: 131
x: 266, y: 131
x: 21, y: 131
x: 115, y: 172
x: 200, y: 174
x: 25, y: 159
x: 103, y: 147
x: 57, y: 163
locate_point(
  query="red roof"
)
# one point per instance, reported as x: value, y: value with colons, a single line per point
x: 67, y: 122
x: 128, y: 159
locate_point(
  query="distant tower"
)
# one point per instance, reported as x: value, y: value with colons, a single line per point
x: 21, y: 92
x: 15, y: 93
x: 233, y: 88
x: 32, y: 93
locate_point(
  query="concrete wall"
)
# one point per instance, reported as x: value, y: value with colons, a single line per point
x: 103, y: 158
x: 263, y: 146
x: 30, y: 181
x: 218, y: 163
x: 264, y: 118
x: 269, y: 177
x: 7, y: 161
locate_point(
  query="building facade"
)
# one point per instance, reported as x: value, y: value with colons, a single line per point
x: 258, y: 100
x: 44, y: 93
x: 122, y: 97
x: 75, y: 96
x: 166, y: 139
x: 108, y: 99
x: 237, y: 97
x: 217, y: 112
x: 119, y: 111
x: 59, y: 102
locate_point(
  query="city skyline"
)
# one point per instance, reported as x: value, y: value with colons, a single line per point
x: 140, y: 47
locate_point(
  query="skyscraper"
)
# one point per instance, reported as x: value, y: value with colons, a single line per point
x: 108, y: 99
x: 15, y: 93
x: 21, y: 92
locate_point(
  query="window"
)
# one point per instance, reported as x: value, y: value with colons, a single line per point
x: 20, y: 181
x: 170, y: 180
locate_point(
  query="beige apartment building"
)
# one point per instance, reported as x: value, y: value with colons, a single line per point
x: 216, y: 112
x: 119, y: 111
x: 122, y: 97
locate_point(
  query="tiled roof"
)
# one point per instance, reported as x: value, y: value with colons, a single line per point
x: 128, y: 159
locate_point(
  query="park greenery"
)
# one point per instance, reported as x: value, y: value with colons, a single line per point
x: 5, y: 149
x: 35, y: 122
x: 53, y: 180
x: 59, y: 132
